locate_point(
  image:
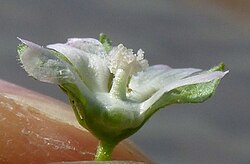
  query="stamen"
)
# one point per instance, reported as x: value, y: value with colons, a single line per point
x: 122, y: 58
x: 122, y: 62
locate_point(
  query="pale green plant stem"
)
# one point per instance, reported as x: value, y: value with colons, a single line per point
x: 104, y: 151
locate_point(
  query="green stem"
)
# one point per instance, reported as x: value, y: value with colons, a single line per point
x: 104, y: 151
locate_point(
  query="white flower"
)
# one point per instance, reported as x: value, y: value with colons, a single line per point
x: 113, y: 93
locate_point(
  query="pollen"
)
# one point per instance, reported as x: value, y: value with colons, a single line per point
x: 123, y: 58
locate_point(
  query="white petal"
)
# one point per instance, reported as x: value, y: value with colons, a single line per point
x: 146, y: 83
x: 91, y: 68
x: 200, y: 78
x: 40, y: 63
x: 44, y: 65
x: 88, y: 45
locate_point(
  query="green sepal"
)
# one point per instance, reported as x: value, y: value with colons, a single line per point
x: 77, y: 102
x: 94, y: 118
x: 20, y: 49
x: 195, y: 93
x: 106, y: 42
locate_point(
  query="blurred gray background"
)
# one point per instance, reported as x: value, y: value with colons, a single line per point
x: 183, y: 33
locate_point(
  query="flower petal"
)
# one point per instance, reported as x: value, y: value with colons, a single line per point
x: 146, y: 83
x: 43, y: 65
x: 200, y: 79
x: 88, y: 62
x: 49, y: 66
x: 88, y: 45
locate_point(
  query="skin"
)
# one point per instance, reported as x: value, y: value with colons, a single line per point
x: 35, y: 128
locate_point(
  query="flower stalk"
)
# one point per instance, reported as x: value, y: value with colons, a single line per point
x: 104, y: 151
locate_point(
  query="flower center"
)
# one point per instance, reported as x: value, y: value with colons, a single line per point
x: 122, y: 58
x: 123, y: 63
